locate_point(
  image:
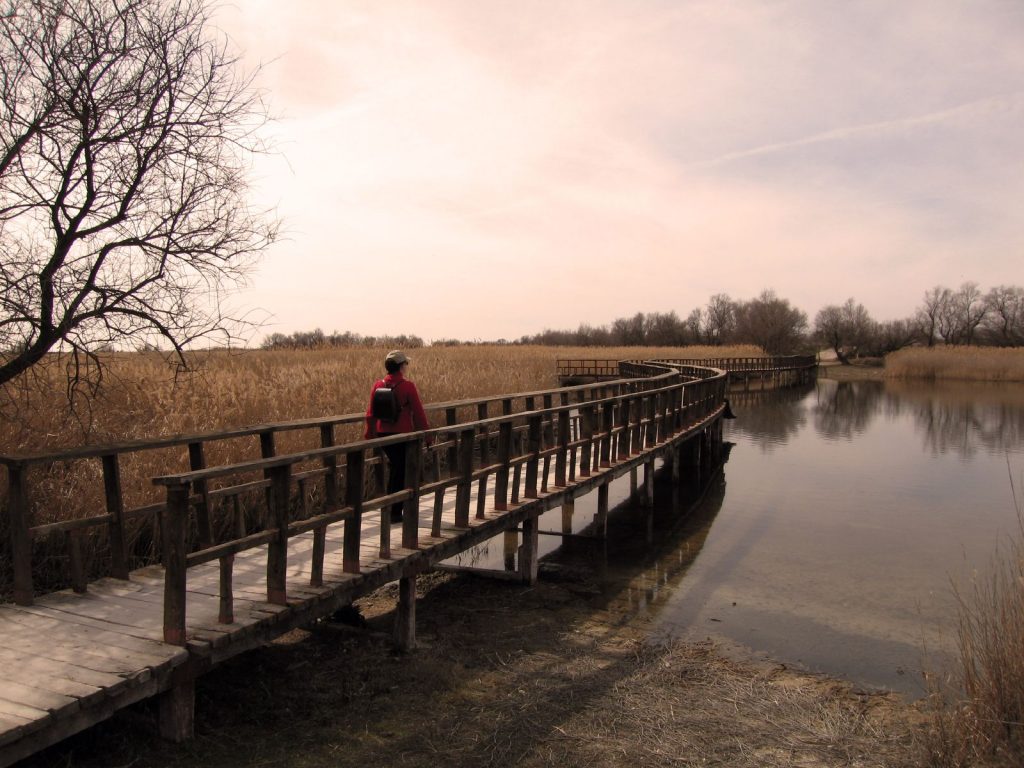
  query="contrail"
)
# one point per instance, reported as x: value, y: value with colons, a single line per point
x: 1005, y: 101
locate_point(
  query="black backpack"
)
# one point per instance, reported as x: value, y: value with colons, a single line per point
x: 384, y: 404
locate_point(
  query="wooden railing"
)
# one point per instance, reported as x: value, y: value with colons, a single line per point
x: 515, y: 451
x: 98, y: 471
x: 601, y: 369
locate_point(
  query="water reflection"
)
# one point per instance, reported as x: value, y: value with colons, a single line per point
x: 950, y: 417
x: 844, y: 409
x: 963, y: 418
x: 772, y: 417
x: 851, y: 507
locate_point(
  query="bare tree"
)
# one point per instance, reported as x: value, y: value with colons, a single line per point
x: 845, y: 329
x: 720, y: 319
x: 771, y: 323
x: 1005, y: 319
x: 932, y: 312
x: 969, y: 308
x: 126, y: 131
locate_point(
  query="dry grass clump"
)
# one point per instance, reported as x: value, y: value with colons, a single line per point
x: 969, y: 363
x: 978, y: 715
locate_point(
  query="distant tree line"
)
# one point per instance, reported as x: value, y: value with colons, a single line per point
x: 768, y: 321
x: 963, y: 316
x: 318, y: 339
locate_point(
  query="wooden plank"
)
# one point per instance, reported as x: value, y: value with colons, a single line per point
x: 12, y: 728
x: 35, y: 718
x: 53, y: 683
x: 38, y: 698
x: 39, y: 666
x: 28, y: 626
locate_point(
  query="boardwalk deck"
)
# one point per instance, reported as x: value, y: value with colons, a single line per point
x: 72, y: 660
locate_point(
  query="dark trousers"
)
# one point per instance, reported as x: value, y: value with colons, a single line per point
x: 396, y: 475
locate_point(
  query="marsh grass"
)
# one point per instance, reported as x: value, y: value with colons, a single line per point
x: 978, y: 712
x: 965, y: 363
x: 142, y: 398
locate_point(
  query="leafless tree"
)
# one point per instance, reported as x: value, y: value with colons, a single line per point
x: 771, y: 323
x: 932, y: 312
x: 1005, y: 319
x: 719, y: 319
x: 844, y: 328
x: 969, y: 308
x: 126, y: 135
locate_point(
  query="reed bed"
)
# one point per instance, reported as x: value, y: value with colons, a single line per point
x: 141, y: 397
x: 964, y: 363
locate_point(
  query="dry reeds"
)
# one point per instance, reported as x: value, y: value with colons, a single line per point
x: 978, y: 715
x: 966, y: 363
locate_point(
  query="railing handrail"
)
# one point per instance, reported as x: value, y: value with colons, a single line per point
x: 638, y: 379
x: 172, y: 441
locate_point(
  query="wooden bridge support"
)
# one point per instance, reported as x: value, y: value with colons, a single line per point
x: 405, y: 616
x: 529, y: 559
x: 176, y: 710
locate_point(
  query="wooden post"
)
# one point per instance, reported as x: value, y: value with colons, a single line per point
x: 405, y: 616
x: 504, y: 457
x: 547, y: 441
x: 197, y: 460
x: 355, y: 466
x: 607, y: 424
x: 226, y: 609
x: 175, y: 570
x: 78, y: 575
x: 21, y: 539
x: 587, y: 427
x: 511, y: 543
x: 177, y: 708
x: 528, y: 552
x: 464, y: 488
x: 623, y: 424
x: 451, y: 418
x: 601, y: 519
x: 534, y: 436
x: 115, y: 508
x: 649, y: 483
x: 411, y: 508
x: 485, y: 460
x: 331, y: 465
x: 568, y: 510
x: 277, y: 548
x: 267, y: 450
x: 562, y: 457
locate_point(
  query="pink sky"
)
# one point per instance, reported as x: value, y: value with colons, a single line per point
x: 484, y: 169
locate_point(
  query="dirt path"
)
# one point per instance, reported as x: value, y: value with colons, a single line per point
x: 508, y: 675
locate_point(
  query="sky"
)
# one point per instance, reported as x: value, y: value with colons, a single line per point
x: 484, y: 169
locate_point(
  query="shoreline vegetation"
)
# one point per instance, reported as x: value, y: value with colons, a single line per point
x: 541, y: 676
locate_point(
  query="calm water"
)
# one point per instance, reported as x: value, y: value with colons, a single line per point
x: 831, y: 537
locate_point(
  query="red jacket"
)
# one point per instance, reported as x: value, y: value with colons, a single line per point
x: 412, y: 417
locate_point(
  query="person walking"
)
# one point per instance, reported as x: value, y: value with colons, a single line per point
x: 410, y: 417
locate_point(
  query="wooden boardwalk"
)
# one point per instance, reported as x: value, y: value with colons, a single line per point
x: 73, y: 658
